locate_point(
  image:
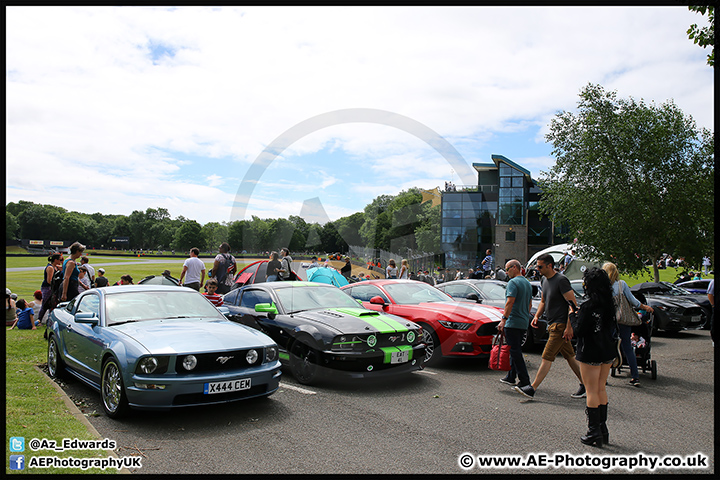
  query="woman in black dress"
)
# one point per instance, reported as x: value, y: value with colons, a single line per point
x: 596, y: 350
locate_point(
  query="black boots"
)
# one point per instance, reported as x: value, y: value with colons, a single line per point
x: 603, y: 426
x: 594, y: 435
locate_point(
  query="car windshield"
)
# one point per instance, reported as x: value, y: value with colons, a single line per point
x: 140, y: 306
x: 414, y: 293
x: 494, y: 291
x: 297, y: 299
x: 674, y: 290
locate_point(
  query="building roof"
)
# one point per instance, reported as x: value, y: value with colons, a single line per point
x: 497, y: 159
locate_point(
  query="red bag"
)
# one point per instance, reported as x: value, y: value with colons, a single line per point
x: 500, y: 354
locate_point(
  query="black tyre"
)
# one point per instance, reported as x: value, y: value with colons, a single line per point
x: 528, y: 340
x: 303, y: 363
x: 432, y: 345
x: 55, y: 365
x: 653, y: 369
x: 613, y: 372
x: 114, y: 399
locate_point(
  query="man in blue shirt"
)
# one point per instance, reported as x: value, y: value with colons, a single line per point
x: 515, y: 322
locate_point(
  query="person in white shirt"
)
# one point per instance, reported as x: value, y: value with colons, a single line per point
x: 194, y: 268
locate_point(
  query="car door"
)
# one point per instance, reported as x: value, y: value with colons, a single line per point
x: 267, y: 323
x: 83, y: 340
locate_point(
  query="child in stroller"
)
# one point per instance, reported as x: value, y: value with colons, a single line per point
x: 642, y: 350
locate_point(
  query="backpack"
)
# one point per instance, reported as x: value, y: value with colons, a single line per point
x: 56, y: 285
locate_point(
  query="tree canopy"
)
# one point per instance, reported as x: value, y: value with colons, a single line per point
x: 705, y: 36
x: 632, y: 180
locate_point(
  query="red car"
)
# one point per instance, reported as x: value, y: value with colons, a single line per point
x: 450, y: 328
x: 254, y: 273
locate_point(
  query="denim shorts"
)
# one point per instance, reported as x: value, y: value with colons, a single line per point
x: 557, y: 344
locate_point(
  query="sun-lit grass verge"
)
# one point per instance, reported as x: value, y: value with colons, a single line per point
x: 34, y: 409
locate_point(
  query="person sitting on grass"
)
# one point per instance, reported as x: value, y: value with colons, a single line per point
x: 25, y: 317
x: 211, y: 287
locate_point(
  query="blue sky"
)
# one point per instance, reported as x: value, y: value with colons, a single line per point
x: 129, y: 108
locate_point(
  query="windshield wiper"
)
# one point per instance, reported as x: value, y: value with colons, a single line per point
x: 123, y: 322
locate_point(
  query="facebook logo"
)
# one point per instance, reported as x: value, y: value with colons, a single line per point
x: 17, y: 462
x: 17, y: 444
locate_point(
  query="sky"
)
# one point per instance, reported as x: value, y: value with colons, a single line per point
x: 219, y: 114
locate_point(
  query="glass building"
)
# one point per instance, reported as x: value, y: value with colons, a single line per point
x: 500, y: 213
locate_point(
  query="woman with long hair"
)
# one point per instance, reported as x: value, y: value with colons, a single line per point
x: 404, y: 269
x: 596, y: 350
x: 55, y: 262
x: 71, y: 273
x: 624, y: 330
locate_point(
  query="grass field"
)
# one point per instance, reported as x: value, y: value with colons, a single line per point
x: 33, y: 408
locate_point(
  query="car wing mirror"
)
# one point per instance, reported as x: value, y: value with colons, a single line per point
x: 266, y: 308
x: 474, y: 297
x: 224, y: 310
x: 87, y: 317
x: 377, y: 300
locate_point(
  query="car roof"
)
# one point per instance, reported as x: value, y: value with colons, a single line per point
x: 384, y: 281
x: 141, y: 288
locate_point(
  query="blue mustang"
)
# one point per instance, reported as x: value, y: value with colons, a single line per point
x: 158, y: 347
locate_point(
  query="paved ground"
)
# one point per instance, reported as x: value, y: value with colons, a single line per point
x: 423, y: 423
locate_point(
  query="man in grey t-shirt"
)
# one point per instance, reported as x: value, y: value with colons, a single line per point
x: 557, y: 295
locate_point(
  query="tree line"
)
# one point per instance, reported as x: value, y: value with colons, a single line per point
x: 390, y: 221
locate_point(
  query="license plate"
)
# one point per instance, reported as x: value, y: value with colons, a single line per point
x: 400, y: 357
x: 695, y: 319
x: 224, y: 387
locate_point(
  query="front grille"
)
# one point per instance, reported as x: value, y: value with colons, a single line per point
x: 208, y: 362
x: 198, y: 398
x: 489, y: 328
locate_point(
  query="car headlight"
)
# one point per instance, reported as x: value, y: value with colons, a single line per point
x: 455, y: 325
x: 410, y: 336
x: 372, y: 341
x: 148, y: 365
x: 189, y: 362
x: 271, y: 354
x: 251, y: 356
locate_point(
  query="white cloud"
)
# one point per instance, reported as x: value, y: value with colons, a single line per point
x: 89, y: 102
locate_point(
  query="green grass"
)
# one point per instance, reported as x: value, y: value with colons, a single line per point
x: 34, y: 409
x: 25, y: 283
x: 666, y: 275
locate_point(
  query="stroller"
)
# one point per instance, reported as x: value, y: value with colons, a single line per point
x: 642, y: 354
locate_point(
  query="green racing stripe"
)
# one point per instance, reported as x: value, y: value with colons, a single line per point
x: 380, y: 322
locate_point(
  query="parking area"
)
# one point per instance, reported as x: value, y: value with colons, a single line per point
x: 422, y: 424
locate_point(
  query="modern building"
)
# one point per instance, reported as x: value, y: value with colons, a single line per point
x: 500, y: 213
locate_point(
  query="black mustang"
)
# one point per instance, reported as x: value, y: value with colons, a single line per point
x: 319, y: 329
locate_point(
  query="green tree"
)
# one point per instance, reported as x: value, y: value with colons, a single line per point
x: 427, y: 233
x: 704, y: 36
x: 633, y: 180
x: 189, y: 235
x: 214, y: 234
x: 12, y: 227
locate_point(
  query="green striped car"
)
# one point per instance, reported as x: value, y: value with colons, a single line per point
x: 322, y: 332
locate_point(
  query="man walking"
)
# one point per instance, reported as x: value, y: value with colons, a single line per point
x: 85, y: 261
x: 195, y: 270
x: 557, y: 294
x: 515, y: 322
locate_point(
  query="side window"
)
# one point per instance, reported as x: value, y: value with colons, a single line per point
x: 231, y: 297
x: 458, y: 291
x: 250, y: 298
x: 89, y: 304
x: 365, y: 292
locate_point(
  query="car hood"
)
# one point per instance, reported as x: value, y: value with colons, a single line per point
x: 193, y: 335
x: 469, y: 311
x: 671, y: 301
x: 356, y: 320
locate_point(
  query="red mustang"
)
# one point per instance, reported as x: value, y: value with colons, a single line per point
x: 450, y: 328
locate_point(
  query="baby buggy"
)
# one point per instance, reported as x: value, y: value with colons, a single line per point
x: 642, y: 354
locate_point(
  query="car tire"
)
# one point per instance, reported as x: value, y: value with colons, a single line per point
x: 55, y: 365
x: 303, y: 362
x: 653, y: 369
x: 528, y: 340
x: 112, y: 390
x: 432, y: 345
